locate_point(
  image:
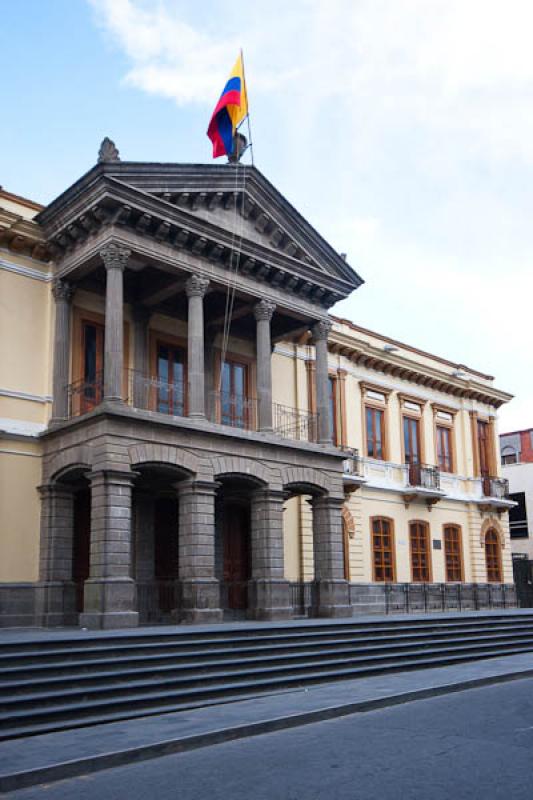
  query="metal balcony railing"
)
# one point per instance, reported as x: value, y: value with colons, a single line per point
x: 423, y: 476
x: 495, y: 487
x: 237, y: 411
x: 84, y: 395
x: 151, y: 393
x: 293, y: 423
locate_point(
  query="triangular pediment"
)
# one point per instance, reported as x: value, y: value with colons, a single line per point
x: 241, y: 201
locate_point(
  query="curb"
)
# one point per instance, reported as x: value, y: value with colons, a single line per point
x: 84, y: 766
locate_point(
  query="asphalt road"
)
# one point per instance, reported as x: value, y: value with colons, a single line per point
x: 475, y: 744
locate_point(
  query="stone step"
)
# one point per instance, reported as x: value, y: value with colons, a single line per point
x: 65, y: 717
x: 108, y: 671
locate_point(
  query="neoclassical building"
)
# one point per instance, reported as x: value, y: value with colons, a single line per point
x: 188, y: 435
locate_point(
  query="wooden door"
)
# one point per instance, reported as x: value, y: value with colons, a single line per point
x: 236, y: 554
x: 81, y: 543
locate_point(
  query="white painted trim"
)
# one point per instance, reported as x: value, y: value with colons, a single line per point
x: 27, y: 272
x: 35, y: 398
x: 20, y: 453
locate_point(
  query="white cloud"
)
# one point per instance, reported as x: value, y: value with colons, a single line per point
x: 403, y: 129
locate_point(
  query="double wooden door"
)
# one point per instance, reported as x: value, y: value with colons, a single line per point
x: 236, y: 533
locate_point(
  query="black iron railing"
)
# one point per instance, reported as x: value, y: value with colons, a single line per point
x: 151, y: 393
x: 424, y: 476
x: 495, y: 487
x: 416, y: 597
x: 235, y: 410
x: 293, y: 423
x: 156, y: 600
x: 85, y: 394
x: 302, y: 597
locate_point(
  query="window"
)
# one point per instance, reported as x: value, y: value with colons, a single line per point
x: 375, y: 420
x: 518, y: 516
x: 444, y: 449
x: 382, y: 549
x: 411, y: 440
x: 509, y: 456
x: 234, y: 401
x: 92, y: 364
x: 493, y: 557
x: 170, y: 380
x: 452, y: 553
x: 420, y: 557
x: 483, y: 448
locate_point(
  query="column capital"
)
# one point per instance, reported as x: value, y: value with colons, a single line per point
x: 196, y: 286
x: 264, y: 309
x: 321, y: 329
x: 62, y: 290
x: 115, y: 256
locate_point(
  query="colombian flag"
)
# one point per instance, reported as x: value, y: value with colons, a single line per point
x: 230, y: 110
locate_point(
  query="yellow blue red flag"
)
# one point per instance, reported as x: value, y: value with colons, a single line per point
x: 229, y: 112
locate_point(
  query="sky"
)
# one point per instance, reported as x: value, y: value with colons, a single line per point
x: 401, y: 129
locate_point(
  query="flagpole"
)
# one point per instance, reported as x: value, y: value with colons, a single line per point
x: 251, y: 146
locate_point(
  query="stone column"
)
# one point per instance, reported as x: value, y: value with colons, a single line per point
x: 139, y: 385
x: 115, y: 258
x: 269, y: 590
x: 62, y: 292
x: 320, y: 336
x: 332, y: 589
x: 196, y: 288
x: 263, y: 312
x: 56, y: 592
x: 200, y: 592
x: 110, y: 590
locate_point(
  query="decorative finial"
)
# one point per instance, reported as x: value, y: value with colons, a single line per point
x: 108, y: 151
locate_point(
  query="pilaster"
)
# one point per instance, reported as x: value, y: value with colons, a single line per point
x: 62, y: 292
x: 56, y: 594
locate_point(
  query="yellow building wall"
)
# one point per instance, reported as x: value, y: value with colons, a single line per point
x: 20, y: 474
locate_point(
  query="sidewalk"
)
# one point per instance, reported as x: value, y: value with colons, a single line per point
x: 52, y: 757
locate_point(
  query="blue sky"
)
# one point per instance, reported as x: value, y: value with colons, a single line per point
x: 402, y: 129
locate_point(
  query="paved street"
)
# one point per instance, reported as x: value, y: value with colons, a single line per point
x: 475, y: 744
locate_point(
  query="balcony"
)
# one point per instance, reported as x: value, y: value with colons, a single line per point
x: 495, y: 494
x: 422, y: 482
x: 353, y: 474
x: 151, y: 393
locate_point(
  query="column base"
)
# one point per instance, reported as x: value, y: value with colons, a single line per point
x: 200, y: 601
x: 269, y: 600
x: 55, y: 604
x: 333, y: 599
x: 109, y: 603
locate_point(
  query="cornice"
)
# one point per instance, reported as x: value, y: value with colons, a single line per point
x: 366, y: 355
x: 27, y: 272
x: 22, y: 236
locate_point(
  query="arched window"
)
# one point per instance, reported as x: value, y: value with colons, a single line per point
x: 420, y: 555
x: 493, y: 556
x: 453, y: 555
x: 382, y: 548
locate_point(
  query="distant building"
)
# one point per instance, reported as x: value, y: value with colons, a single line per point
x: 517, y: 466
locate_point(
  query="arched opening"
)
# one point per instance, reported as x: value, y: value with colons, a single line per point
x: 493, y: 556
x: 233, y: 542
x: 323, y: 585
x: 156, y: 541
x: 73, y: 511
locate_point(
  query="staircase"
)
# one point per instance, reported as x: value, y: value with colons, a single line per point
x: 69, y: 682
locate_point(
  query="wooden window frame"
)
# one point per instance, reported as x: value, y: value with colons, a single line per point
x: 377, y: 405
x: 458, y: 530
x: 497, y: 554
x: 493, y: 466
x: 427, y: 537
x: 165, y: 341
x: 81, y: 316
x: 251, y: 393
x: 390, y: 522
x: 450, y: 425
x: 375, y: 409
x: 409, y: 413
